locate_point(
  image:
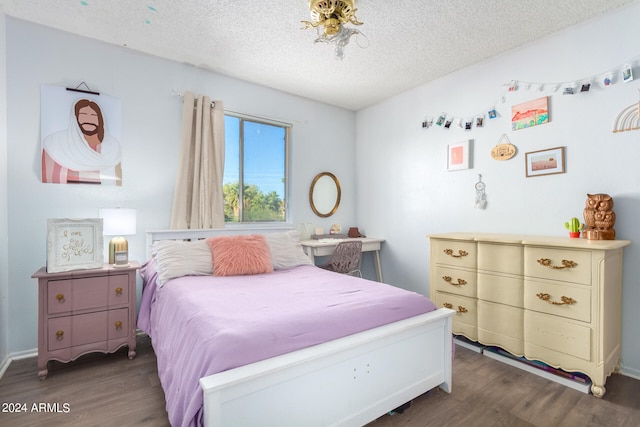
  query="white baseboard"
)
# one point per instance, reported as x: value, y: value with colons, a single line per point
x: 16, y: 356
x: 584, y: 388
x: 473, y: 346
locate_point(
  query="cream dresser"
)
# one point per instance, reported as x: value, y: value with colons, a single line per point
x: 553, y: 299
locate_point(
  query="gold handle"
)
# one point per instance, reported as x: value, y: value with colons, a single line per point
x: 118, y: 325
x: 460, y: 309
x: 461, y: 253
x: 546, y: 262
x: 449, y: 280
x: 564, y: 299
x: 59, y: 335
x: 118, y: 291
x: 60, y: 298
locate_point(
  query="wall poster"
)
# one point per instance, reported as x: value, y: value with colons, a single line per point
x: 81, y: 134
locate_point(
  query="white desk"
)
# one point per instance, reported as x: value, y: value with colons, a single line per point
x: 324, y: 247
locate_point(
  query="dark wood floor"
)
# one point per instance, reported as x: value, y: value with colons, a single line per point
x: 111, y: 390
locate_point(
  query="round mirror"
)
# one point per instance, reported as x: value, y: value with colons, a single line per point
x: 324, y: 194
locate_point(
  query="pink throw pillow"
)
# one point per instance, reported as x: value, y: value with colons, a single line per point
x: 240, y: 255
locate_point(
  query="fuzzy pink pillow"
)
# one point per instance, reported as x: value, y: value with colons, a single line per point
x: 240, y: 255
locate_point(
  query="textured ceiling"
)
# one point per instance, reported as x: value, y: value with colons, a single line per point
x: 409, y: 42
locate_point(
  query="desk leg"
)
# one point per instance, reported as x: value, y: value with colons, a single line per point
x: 311, y: 255
x: 376, y: 259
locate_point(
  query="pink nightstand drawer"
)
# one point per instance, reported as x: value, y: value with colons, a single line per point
x: 119, y: 290
x: 59, y: 296
x: 70, y: 331
x: 118, y: 324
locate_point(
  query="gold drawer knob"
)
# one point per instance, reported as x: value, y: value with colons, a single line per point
x: 449, y: 280
x: 563, y: 299
x: 546, y: 262
x: 59, y: 335
x: 461, y: 253
x: 118, y: 325
x: 118, y: 291
x: 60, y: 298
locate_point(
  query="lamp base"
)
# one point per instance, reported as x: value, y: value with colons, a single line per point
x: 119, y: 252
x: 121, y: 265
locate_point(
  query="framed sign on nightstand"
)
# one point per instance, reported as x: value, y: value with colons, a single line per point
x: 74, y: 244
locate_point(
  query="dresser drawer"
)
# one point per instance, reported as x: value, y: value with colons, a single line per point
x: 460, y: 282
x: 558, y: 264
x: 558, y: 299
x: 454, y: 252
x: 501, y: 325
x: 76, y: 295
x: 500, y: 258
x: 72, y: 331
x: 557, y: 335
x: 501, y: 289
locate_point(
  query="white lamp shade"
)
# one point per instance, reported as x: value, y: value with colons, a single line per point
x: 118, y: 221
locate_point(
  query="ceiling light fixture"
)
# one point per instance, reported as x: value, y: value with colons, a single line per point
x: 333, y: 15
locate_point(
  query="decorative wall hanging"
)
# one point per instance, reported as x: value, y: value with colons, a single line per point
x: 481, y: 198
x: 80, y: 137
x: 581, y: 85
x: 458, y: 155
x: 628, y: 119
x: 74, y: 244
x: 530, y: 113
x: 504, y: 150
x: 544, y: 162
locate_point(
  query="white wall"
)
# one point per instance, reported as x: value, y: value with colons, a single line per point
x: 405, y: 191
x: 4, y: 243
x: 151, y: 120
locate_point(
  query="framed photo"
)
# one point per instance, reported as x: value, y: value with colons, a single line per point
x: 74, y: 244
x: 545, y: 162
x: 458, y: 155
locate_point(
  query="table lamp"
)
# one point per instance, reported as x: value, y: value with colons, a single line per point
x: 118, y: 222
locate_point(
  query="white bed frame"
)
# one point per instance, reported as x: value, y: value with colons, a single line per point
x: 345, y: 382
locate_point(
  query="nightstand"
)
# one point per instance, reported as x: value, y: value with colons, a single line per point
x: 85, y: 311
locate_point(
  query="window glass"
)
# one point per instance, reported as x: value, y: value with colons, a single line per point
x: 255, y: 171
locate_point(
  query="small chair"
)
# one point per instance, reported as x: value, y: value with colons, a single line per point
x: 345, y: 258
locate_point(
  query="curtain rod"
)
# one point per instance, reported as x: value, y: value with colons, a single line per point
x: 266, y: 120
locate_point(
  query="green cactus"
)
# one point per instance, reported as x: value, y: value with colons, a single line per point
x: 573, y: 224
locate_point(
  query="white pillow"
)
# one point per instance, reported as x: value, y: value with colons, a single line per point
x: 286, y: 250
x: 177, y: 258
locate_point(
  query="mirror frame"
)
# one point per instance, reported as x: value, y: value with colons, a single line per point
x: 338, y: 197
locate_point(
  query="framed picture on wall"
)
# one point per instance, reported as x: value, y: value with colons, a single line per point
x: 545, y: 162
x: 74, y: 244
x: 459, y: 155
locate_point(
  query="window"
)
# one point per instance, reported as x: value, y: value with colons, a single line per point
x: 255, y: 170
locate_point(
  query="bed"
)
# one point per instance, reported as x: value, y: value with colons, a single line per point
x: 253, y: 348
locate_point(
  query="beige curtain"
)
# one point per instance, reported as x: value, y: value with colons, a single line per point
x: 198, y: 201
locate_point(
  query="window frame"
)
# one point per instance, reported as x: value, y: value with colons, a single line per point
x: 287, y: 167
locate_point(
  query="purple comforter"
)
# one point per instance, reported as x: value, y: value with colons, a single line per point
x: 201, y: 325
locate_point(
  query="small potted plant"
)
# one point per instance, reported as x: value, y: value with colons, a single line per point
x: 574, y: 226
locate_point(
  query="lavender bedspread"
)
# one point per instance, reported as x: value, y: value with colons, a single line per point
x: 201, y: 325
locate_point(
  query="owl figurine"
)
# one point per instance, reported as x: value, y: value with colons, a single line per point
x: 599, y: 217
